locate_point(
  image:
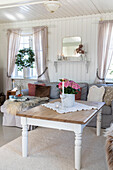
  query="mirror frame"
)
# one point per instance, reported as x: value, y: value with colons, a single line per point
x: 62, y: 47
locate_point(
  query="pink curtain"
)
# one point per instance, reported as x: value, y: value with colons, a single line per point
x: 13, y: 47
x: 41, y: 51
x: 104, y: 53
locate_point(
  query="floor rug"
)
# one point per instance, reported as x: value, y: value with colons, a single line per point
x: 51, y: 149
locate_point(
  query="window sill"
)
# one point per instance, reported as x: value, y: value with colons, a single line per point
x: 24, y: 78
x: 109, y: 81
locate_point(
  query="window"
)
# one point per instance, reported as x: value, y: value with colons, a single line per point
x: 26, y: 41
x: 109, y: 76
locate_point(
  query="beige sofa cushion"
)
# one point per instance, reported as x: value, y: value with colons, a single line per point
x: 108, y: 95
x: 96, y: 94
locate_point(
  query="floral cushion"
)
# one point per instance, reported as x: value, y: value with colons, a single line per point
x: 78, y: 95
x: 108, y: 95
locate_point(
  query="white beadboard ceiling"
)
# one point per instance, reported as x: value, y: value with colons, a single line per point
x: 69, y: 8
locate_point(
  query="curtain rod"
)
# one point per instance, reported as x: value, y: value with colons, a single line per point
x: 24, y: 27
x: 25, y: 34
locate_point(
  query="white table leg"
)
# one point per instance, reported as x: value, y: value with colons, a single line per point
x: 99, y: 122
x: 78, y: 147
x: 24, y: 137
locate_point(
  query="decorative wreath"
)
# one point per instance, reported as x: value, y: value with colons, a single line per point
x: 25, y: 58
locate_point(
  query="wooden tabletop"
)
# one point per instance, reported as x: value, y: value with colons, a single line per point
x: 79, y: 117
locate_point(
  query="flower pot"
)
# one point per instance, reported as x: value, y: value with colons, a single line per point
x: 25, y: 72
x: 68, y: 100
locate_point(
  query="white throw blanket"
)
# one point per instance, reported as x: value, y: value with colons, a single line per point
x: 13, y: 107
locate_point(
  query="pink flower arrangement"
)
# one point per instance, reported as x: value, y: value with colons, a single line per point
x: 70, y: 87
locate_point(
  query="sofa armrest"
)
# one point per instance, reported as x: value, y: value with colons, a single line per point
x: 25, y: 92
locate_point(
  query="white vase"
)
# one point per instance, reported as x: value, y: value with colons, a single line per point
x: 68, y: 100
x: 25, y: 72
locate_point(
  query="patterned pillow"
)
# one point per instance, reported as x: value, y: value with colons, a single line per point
x: 78, y: 95
x: 96, y: 94
x: 108, y: 95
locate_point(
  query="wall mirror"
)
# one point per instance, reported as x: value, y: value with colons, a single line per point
x: 70, y: 44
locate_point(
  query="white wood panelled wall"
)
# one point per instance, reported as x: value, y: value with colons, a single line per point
x: 86, y: 27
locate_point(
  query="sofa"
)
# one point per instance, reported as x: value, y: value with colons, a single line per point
x: 107, y: 111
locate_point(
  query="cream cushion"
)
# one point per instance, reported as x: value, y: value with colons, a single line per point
x: 96, y: 94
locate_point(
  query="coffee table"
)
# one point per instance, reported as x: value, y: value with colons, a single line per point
x: 74, y: 121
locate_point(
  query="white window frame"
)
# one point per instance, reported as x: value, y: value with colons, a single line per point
x: 15, y: 74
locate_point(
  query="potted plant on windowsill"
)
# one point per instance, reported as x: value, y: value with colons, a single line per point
x: 25, y: 59
x: 68, y: 89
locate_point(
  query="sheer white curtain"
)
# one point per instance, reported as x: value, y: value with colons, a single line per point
x: 105, y: 35
x: 13, y: 47
x: 41, y: 51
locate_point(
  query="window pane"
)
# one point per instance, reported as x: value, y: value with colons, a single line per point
x: 25, y: 46
x: 34, y: 71
x: 20, y: 73
x: 26, y: 39
x: 109, y: 74
x: 21, y: 46
x: 21, y: 39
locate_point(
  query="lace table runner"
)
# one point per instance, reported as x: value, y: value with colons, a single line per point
x: 57, y: 106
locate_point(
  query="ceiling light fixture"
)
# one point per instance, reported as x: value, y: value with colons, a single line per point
x: 51, y: 5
